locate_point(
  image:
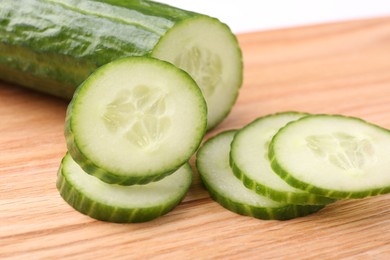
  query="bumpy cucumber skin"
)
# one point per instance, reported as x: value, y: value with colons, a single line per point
x: 93, y: 168
x: 303, y: 198
x: 151, y: 8
x: 285, y: 212
x: 299, y: 184
x: 83, y: 204
x: 53, y: 46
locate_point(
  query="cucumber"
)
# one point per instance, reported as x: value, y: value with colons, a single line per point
x: 116, y: 203
x: 135, y: 120
x: 212, y: 162
x: 54, y: 45
x: 333, y: 155
x: 249, y: 161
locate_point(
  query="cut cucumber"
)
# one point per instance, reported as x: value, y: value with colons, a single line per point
x: 53, y: 46
x: 116, y: 203
x: 212, y: 162
x: 249, y: 161
x: 212, y: 57
x: 135, y: 120
x: 333, y: 155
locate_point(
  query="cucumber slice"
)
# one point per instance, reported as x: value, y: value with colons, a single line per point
x: 211, y: 56
x: 135, y: 120
x: 212, y: 162
x: 333, y: 155
x: 116, y: 203
x: 249, y: 161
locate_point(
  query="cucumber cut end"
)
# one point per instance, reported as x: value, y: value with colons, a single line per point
x: 209, y: 52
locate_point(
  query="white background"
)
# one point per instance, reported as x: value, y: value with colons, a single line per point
x: 255, y: 15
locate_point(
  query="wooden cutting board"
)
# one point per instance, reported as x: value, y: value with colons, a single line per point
x: 341, y: 68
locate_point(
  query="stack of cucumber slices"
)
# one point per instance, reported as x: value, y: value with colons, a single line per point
x: 130, y: 138
x: 291, y: 164
x: 130, y: 129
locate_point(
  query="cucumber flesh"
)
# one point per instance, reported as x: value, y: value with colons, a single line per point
x: 249, y: 161
x: 212, y: 57
x: 212, y: 162
x: 333, y: 155
x: 116, y: 203
x: 135, y: 120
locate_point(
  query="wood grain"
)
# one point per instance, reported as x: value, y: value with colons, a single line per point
x: 341, y: 68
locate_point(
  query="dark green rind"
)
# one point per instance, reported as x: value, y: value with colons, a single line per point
x: 99, y: 171
x: 86, y: 205
x: 60, y: 42
x: 285, y: 212
x: 299, y: 184
x: 303, y: 198
x: 152, y: 8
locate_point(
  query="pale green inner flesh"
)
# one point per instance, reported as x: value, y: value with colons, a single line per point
x: 153, y: 194
x: 139, y: 114
x: 211, y: 56
x: 250, y: 151
x: 129, y: 123
x: 335, y: 153
x: 214, y: 167
x: 343, y: 150
x: 204, y: 66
